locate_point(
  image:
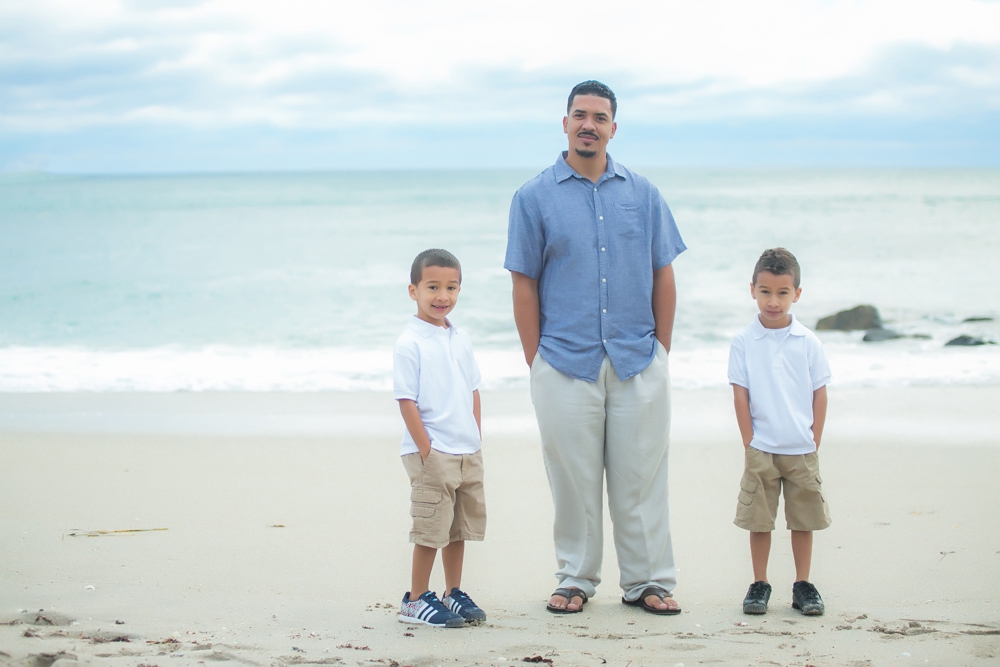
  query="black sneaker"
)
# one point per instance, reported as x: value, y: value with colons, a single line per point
x: 757, y: 597
x: 806, y: 598
x: 461, y: 604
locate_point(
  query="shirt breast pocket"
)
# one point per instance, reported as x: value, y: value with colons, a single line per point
x: 629, y: 221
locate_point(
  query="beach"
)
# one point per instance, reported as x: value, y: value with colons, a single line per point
x: 271, y: 529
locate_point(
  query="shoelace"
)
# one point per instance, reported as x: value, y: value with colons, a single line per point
x: 809, y: 593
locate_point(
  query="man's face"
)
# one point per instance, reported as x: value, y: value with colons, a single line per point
x: 589, y: 125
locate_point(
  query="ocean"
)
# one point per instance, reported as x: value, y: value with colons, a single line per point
x: 297, y: 281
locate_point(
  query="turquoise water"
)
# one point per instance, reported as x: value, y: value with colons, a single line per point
x: 298, y: 281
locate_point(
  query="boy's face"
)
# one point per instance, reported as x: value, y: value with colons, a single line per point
x: 437, y: 294
x: 775, y: 296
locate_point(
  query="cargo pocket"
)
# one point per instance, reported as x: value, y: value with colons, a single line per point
x: 423, y: 503
x: 744, y: 506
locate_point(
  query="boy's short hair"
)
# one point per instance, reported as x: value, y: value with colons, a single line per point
x: 595, y: 88
x: 780, y: 262
x: 433, y: 257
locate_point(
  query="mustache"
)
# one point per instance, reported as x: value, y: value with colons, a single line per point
x: 587, y: 134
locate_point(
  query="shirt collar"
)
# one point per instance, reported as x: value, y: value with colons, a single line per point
x: 426, y: 329
x: 796, y: 328
x: 564, y: 171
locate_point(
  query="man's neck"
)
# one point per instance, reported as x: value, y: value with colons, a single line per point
x: 591, y: 168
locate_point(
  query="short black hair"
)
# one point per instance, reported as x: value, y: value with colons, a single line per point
x: 595, y: 88
x: 433, y: 257
x: 780, y: 262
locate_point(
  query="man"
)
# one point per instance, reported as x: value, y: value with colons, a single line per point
x: 590, y: 246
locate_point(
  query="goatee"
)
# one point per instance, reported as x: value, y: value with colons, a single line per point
x: 585, y: 153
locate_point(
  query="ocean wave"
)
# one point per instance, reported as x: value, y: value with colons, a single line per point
x: 262, y: 369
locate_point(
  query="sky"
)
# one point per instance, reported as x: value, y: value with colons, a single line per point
x: 153, y: 86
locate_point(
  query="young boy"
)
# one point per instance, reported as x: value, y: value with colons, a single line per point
x: 779, y: 376
x: 436, y: 382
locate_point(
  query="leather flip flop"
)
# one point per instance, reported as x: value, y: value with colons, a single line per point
x: 569, y: 593
x: 641, y: 601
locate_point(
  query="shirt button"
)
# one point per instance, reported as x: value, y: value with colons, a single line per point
x: 604, y: 280
x: 600, y: 217
x: 602, y: 249
x: 605, y: 310
x: 605, y: 340
x: 595, y: 189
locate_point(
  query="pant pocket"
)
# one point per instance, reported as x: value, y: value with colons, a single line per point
x: 748, y: 488
x: 424, y: 501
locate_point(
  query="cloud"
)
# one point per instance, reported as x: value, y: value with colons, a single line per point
x: 376, y: 69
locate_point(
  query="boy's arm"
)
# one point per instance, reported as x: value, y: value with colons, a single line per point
x: 664, y: 304
x: 415, y: 425
x: 477, y: 412
x: 819, y: 413
x: 527, y: 314
x: 741, y: 400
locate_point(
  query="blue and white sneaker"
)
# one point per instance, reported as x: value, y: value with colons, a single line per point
x: 462, y: 604
x: 427, y: 609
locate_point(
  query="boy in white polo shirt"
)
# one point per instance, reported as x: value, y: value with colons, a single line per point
x: 779, y: 375
x: 436, y: 382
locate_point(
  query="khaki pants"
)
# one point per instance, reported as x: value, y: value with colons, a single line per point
x: 619, y: 430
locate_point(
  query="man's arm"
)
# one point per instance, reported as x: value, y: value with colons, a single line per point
x: 664, y: 304
x: 527, y: 315
x: 477, y: 411
x: 741, y: 399
x: 819, y: 414
x: 415, y: 425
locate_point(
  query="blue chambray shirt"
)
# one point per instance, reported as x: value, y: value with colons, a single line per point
x: 593, y: 250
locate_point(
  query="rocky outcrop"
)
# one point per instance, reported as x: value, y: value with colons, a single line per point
x: 968, y: 341
x: 875, y: 335
x: 855, y: 319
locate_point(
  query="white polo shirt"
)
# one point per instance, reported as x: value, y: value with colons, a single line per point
x: 434, y: 367
x: 781, y: 368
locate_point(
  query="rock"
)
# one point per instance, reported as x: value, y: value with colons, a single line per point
x: 875, y: 335
x: 977, y: 319
x: 968, y: 341
x: 859, y: 317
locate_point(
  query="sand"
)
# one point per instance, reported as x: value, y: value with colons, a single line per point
x: 272, y: 531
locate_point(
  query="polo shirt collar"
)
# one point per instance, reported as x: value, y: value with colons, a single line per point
x: 796, y: 328
x: 564, y: 171
x: 426, y: 329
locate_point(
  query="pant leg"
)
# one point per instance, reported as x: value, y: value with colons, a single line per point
x: 571, y: 419
x: 638, y: 437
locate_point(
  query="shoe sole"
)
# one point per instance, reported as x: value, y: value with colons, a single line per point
x: 815, y: 611
x: 755, y: 609
x: 448, y: 624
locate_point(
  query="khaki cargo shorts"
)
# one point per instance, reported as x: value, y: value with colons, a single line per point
x: 447, y: 502
x: 764, y: 478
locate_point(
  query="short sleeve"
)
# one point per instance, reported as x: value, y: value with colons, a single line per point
x: 738, y: 363
x: 819, y: 367
x: 405, y: 372
x: 525, y: 239
x: 667, y: 242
